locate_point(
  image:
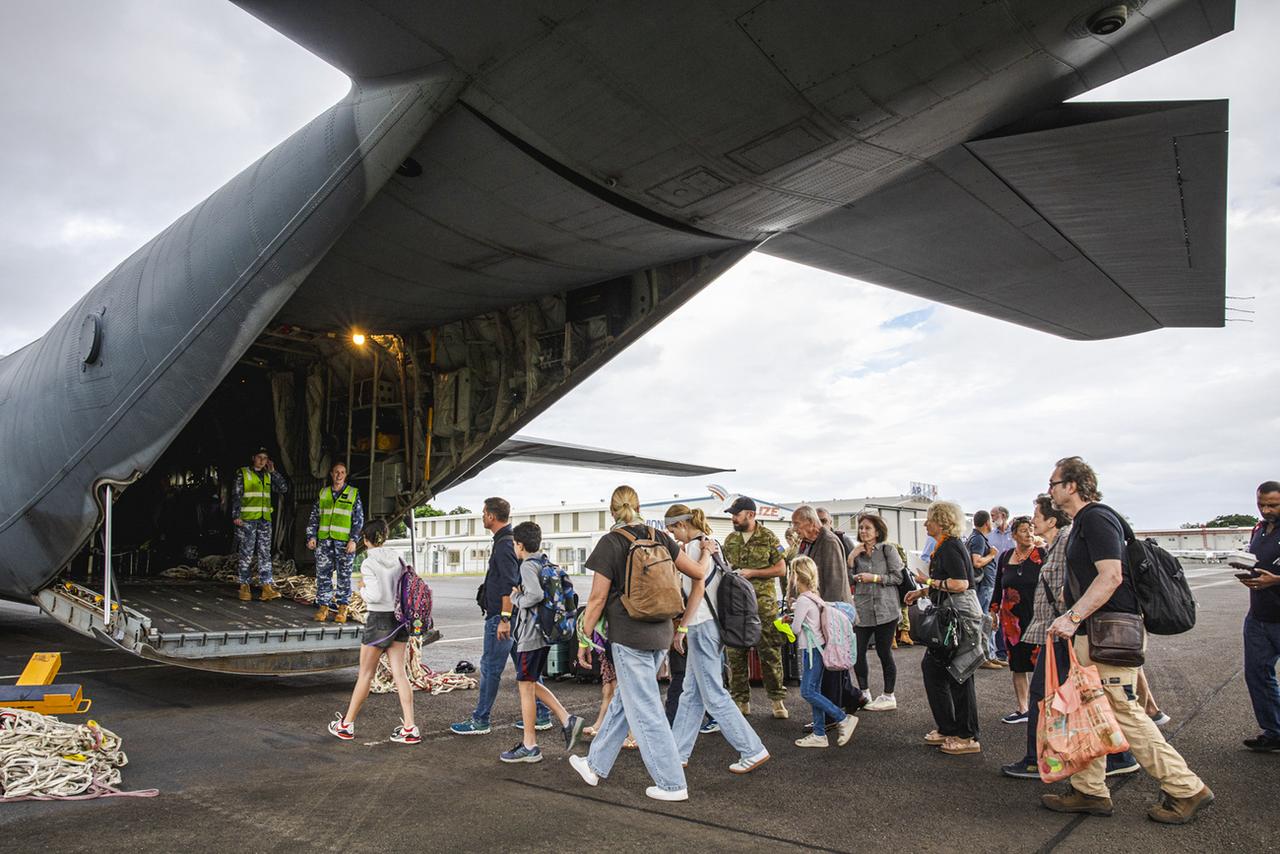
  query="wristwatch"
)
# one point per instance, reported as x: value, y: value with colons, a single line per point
x: 1074, y: 617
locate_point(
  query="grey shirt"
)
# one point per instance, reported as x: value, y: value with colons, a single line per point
x: 524, y: 622
x: 877, y: 603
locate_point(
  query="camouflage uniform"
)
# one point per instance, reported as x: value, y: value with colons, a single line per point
x: 253, y: 538
x: 331, y: 552
x: 761, y: 551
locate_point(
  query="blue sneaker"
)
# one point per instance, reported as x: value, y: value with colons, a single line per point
x: 539, y: 724
x: 1121, y: 763
x: 709, y: 726
x: 470, y: 726
x: 520, y: 753
x: 573, y: 731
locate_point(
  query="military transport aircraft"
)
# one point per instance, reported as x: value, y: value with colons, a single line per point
x: 513, y: 193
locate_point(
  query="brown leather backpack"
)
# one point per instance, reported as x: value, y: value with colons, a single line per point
x: 651, y: 590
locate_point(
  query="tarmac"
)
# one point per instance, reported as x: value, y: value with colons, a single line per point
x: 245, y: 764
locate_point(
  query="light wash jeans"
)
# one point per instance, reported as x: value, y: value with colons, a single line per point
x: 704, y: 691
x: 811, y: 691
x: 986, y: 590
x: 493, y: 660
x: 642, y: 713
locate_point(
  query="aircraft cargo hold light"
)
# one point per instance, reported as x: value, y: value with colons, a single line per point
x: 357, y: 338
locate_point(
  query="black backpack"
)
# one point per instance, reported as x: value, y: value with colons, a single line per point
x: 1168, y: 608
x: 735, y: 610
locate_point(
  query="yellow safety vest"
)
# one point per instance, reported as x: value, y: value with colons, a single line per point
x: 335, y: 513
x: 256, y: 502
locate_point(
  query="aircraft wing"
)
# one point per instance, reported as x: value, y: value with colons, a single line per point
x: 527, y: 449
x: 1087, y: 221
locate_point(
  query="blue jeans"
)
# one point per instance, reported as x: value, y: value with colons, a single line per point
x: 1261, y: 652
x: 985, y: 590
x: 811, y: 692
x: 704, y: 691
x: 493, y: 660
x: 642, y: 713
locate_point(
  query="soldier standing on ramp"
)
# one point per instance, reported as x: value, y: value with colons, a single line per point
x: 332, y: 533
x: 251, y: 493
x: 755, y: 551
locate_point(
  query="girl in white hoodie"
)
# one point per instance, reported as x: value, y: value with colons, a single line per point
x: 379, y: 586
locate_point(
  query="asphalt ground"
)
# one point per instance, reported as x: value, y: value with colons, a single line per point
x: 245, y: 764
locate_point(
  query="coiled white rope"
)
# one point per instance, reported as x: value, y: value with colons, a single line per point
x: 44, y: 759
x: 421, y: 677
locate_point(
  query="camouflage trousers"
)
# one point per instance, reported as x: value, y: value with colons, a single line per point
x: 331, y: 558
x: 253, y: 538
x: 769, y: 651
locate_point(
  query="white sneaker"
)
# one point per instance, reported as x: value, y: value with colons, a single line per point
x: 812, y: 740
x: 844, y: 729
x: 751, y: 763
x: 664, y: 795
x: 883, y: 703
x: 580, y: 764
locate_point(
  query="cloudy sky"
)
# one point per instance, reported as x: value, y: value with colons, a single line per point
x: 121, y: 116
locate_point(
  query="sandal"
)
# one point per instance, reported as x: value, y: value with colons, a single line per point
x: 629, y: 743
x: 588, y: 732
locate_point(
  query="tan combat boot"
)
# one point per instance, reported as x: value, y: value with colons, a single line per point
x: 341, y: 616
x: 322, y: 614
x: 245, y: 593
x: 1173, y: 810
x: 1074, y: 800
x: 780, y: 710
x: 269, y: 593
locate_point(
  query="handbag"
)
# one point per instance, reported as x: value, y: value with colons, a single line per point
x: 1115, y: 638
x: 1077, y: 724
x: 935, y: 626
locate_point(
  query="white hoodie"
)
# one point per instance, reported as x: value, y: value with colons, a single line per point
x: 379, y: 577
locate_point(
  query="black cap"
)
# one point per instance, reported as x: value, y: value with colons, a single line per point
x: 739, y: 504
x: 262, y: 449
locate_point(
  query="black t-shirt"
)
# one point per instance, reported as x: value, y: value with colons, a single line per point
x: 1097, y: 534
x: 609, y: 560
x: 1022, y: 578
x: 1264, y: 604
x: 951, y: 560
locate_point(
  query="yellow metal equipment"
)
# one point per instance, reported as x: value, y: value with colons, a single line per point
x: 36, y: 692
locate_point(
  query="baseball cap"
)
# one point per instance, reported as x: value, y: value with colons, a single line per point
x: 739, y: 504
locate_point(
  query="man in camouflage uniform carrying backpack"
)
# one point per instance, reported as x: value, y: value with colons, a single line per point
x: 755, y: 552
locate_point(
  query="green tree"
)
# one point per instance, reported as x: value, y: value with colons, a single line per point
x: 460, y: 511
x: 1226, y: 520
x: 426, y: 511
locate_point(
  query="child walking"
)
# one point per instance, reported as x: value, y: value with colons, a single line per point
x: 806, y: 620
x: 379, y: 586
x: 531, y: 650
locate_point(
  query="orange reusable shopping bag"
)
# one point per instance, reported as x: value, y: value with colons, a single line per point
x: 1077, y: 724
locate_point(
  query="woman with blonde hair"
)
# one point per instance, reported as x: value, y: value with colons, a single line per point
x: 638, y: 646
x: 950, y: 688
x: 704, y: 689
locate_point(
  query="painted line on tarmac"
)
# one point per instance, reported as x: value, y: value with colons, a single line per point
x: 458, y: 640
x: 97, y: 670
x: 805, y: 846
x: 1215, y: 584
x: 1061, y: 836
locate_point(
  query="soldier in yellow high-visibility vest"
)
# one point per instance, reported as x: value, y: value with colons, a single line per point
x: 251, y: 493
x: 333, y: 533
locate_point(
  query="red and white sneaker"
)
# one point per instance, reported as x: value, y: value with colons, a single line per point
x: 406, y: 735
x: 342, y: 728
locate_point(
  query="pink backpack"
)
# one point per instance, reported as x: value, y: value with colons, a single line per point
x: 838, y: 642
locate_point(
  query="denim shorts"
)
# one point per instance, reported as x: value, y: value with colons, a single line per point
x: 381, y: 629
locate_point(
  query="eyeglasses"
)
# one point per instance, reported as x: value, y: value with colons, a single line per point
x: 1054, y: 483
